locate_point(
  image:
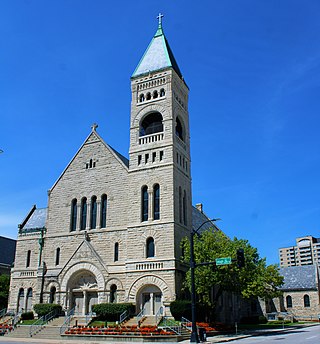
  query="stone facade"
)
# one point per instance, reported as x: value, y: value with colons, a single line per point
x: 113, y: 227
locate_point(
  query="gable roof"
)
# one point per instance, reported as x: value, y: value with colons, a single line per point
x: 7, y: 249
x: 158, y: 56
x: 299, y: 277
x: 34, y: 221
x: 199, y: 218
x: 94, y: 136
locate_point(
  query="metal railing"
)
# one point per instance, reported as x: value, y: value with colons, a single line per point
x: 89, y: 317
x: 123, y: 316
x: 140, y: 315
x: 171, y: 325
x: 3, y: 312
x: 186, y: 323
x: 66, y: 325
x: 41, y: 322
x: 159, y: 315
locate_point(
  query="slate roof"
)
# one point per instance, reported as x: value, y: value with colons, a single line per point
x: 7, y: 249
x: 198, y: 218
x: 158, y: 56
x: 120, y: 156
x: 299, y: 277
x: 35, y: 220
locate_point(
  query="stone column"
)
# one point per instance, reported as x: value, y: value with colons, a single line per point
x: 84, y: 306
x: 151, y: 304
x: 98, y: 226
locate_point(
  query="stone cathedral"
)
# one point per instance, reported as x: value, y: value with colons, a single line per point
x: 112, y: 228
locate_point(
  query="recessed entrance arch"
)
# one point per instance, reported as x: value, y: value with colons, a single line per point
x: 149, y: 298
x: 83, y: 292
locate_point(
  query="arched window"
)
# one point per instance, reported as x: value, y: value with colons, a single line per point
x: 156, y: 202
x: 184, y: 207
x: 29, y: 300
x: 83, y: 222
x: 28, y: 259
x: 58, y: 256
x: 113, y: 293
x: 21, y: 300
x: 162, y: 92
x: 73, y: 225
x: 306, y: 301
x: 103, y: 217
x: 93, y: 212
x: 141, y: 98
x: 179, y: 130
x: 145, y: 203
x: 289, y: 301
x: 151, y: 124
x: 150, y: 247
x: 116, y: 251
x: 52, y: 297
x: 155, y: 94
x: 180, y: 204
x: 148, y: 97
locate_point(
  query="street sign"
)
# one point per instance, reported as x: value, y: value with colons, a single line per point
x: 223, y: 261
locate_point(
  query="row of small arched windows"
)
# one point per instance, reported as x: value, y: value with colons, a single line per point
x: 154, y: 95
x: 93, y: 213
x: 306, y: 301
x: 155, y: 196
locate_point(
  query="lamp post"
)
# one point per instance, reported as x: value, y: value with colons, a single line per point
x: 194, y: 333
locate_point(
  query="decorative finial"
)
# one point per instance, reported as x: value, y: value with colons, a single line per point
x: 94, y: 126
x: 160, y: 16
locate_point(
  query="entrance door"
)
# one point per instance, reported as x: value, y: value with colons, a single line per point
x: 156, y: 302
x: 146, y: 304
x: 92, y: 300
x: 78, y: 303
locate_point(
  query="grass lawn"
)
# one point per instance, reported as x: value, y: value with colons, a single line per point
x: 30, y: 322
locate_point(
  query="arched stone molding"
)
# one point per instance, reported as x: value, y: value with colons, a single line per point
x: 115, y: 281
x: 81, y: 267
x: 146, y: 110
x: 52, y: 283
x: 149, y: 280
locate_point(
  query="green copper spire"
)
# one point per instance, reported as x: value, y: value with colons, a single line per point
x: 158, y: 55
x: 159, y: 31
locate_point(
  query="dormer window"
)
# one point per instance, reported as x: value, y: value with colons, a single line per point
x: 151, y: 124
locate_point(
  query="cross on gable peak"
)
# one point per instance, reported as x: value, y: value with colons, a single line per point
x: 94, y: 126
x: 159, y: 17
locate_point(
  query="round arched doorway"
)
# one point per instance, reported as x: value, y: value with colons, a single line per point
x: 149, y: 298
x: 83, y: 292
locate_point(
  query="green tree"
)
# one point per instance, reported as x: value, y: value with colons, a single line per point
x: 4, y: 290
x: 256, y: 279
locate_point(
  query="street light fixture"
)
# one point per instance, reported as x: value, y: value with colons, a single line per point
x: 194, y: 333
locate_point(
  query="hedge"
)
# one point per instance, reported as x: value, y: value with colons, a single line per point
x: 180, y: 308
x: 112, y: 311
x: 27, y: 316
x: 45, y: 308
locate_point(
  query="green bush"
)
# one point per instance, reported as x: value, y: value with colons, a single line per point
x: 181, y: 308
x: 262, y: 319
x: 45, y: 308
x: 27, y: 316
x: 112, y: 311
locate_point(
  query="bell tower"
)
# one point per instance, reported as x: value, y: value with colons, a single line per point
x: 159, y: 154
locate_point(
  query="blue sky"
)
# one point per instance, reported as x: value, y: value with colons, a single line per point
x: 253, y: 68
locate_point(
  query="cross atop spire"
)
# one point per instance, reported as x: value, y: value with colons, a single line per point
x: 94, y: 126
x: 160, y: 16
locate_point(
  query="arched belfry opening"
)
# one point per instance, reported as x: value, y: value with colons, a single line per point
x: 151, y: 124
x: 179, y: 129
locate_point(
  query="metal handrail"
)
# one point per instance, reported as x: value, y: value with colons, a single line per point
x: 89, y: 317
x: 123, y: 316
x: 3, y: 312
x: 66, y: 324
x: 41, y: 322
x: 159, y: 315
x: 171, y: 325
x: 186, y: 323
x: 140, y: 315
